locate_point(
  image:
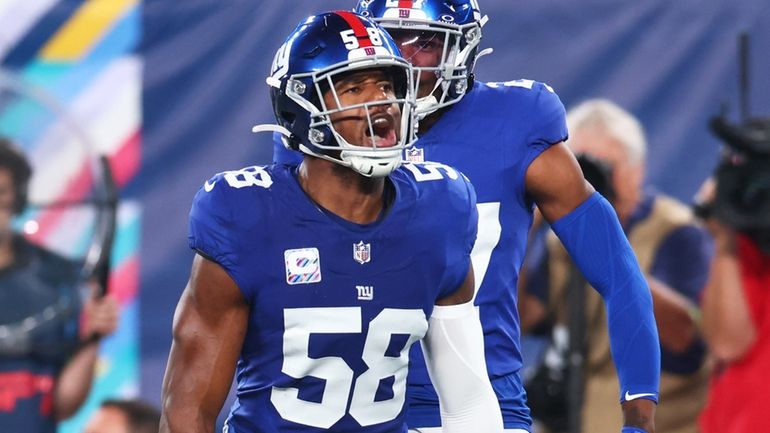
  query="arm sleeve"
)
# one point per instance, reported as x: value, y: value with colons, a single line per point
x: 454, y: 355
x: 593, y: 237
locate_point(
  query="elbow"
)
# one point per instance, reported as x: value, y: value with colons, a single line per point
x: 68, y: 400
x: 677, y: 334
x: 728, y: 340
x: 680, y: 342
x: 730, y: 351
x: 175, y: 418
x: 731, y: 348
x: 66, y: 411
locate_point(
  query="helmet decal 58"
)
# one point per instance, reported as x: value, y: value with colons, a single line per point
x: 455, y: 25
x: 360, y: 40
x: 320, y: 53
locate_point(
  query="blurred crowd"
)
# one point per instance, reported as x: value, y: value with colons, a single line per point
x: 707, y: 264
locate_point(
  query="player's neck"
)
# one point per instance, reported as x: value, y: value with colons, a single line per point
x: 429, y: 120
x: 342, y: 191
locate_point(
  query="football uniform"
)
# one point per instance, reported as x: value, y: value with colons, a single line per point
x: 492, y: 134
x: 334, y: 306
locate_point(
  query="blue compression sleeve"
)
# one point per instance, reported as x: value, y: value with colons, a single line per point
x: 593, y: 237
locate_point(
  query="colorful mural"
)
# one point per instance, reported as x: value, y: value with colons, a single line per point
x: 70, y: 90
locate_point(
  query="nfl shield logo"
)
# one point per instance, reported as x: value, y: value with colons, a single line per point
x: 362, y: 252
x: 415, y: 154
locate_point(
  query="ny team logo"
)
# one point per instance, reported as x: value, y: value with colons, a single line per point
x: 405, y: 4
x: 365, y: 293
x: 303, y: 266
x: 405, y: 9
x: 362, y: 253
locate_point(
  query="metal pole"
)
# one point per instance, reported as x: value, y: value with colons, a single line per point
x: 576, y: 288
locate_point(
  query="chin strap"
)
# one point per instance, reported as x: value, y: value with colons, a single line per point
x: 274, y: 128
x: 429, y: 104
x: 271, y: 128
x: 484, y: 52
x: 426, y: 106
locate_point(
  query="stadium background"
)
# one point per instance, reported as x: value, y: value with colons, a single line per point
x: 170, y: 89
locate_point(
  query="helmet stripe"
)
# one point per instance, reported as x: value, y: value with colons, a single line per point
x: 405, y: 4
x: 359, y: 29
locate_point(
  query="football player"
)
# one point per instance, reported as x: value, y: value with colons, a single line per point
x: 315, y: 280
x: 508, y: 139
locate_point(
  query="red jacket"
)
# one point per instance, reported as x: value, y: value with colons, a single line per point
x: 739, y: 397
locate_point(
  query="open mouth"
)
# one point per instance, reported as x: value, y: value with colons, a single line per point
x: 383, y: 130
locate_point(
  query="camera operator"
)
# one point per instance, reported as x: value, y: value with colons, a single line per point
x: 736, y: 301
x: 48, y: 349
x: 674, y: 252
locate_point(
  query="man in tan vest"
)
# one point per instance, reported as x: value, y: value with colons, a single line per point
x: 673, y: 252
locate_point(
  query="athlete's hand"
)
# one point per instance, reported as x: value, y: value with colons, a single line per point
x: 638, y: 416
x: 100, y: 315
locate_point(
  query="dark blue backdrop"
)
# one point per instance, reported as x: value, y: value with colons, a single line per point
x: 670, y: 63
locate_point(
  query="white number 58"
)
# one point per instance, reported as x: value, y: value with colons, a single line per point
x: 351, y: 41
x: 300, y: 323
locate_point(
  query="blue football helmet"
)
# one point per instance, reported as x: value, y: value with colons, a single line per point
x: 322, y: 50
x: 455, y: 23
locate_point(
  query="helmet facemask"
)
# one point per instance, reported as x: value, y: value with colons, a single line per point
x: 386, y: 134
x: 365, y: 127
x: 453, y: 70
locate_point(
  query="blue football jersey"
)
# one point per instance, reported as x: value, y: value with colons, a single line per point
x: 492, y: 135
x: 334, y: 306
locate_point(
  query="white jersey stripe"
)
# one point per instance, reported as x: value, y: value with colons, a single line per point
x: 486, y: 241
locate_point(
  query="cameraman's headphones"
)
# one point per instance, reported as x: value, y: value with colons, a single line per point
x: 14, y: 160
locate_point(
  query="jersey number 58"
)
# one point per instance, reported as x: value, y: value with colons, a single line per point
x: 300, y: 323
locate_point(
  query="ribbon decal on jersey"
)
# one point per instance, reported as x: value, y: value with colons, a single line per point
x: 362, y: 253
x: 303, y: 266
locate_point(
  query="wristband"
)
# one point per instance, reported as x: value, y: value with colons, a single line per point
x: 632, y: 430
